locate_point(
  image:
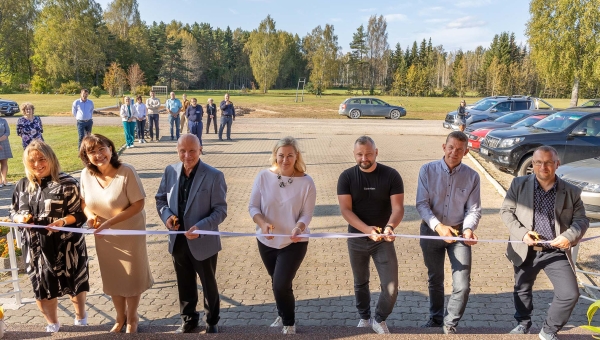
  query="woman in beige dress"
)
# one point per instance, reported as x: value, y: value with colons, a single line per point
x: 113, y: 198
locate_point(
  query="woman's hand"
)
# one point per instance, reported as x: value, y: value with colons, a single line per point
x: 296, y: 231
x: 22, y: 218
x: 267, y: 228
x: 104, y: 225
x: 93, y: 222
x: 58, y: 223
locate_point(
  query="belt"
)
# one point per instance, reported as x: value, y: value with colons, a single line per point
x: 84, y: 120
x: 545, y: 250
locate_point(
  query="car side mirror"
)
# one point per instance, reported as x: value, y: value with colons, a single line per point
x: 579, y: 133
x: 493, y: 110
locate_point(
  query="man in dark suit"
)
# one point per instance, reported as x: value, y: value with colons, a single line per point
x: 543, y: 207
x: 191, y: 196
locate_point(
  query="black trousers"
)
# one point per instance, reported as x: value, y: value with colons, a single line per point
x: 282, y: 265
x: 186, y: 268
x: 208, y: 120
x: 566, y: 291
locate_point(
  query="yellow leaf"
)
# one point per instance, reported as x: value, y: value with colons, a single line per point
x: 593, y: 329
x: 592, y: 310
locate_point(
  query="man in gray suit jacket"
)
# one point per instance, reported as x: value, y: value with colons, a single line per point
x: 191, y: 196
x: 542, y: 207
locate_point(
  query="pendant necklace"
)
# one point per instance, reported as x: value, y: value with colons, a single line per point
x: 290, y: 180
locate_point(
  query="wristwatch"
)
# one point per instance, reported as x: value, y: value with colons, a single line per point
x: 389, y: 225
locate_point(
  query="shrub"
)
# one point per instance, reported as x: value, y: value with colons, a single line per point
x: 72, y: 87
x: 96, y: 91
x: 39, y: 85
x: 6, y: 89
x: 4, y: 248
x: 449, y: 91
x: 142, y: 90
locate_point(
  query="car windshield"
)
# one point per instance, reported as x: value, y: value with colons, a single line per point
x: 558, y: 121
x: 591, y: 103
x: 486, y: 104
x: 529, y: 121
x: 510, y: 118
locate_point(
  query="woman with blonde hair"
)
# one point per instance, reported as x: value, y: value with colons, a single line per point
x: 29, y: 127
x: 58, y: 261
x: 128, y: 116
x: 282, y: 202
x: 5, y: 151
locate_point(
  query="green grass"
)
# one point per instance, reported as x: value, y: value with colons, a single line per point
x: 276, y: 103
x: 63, y: 140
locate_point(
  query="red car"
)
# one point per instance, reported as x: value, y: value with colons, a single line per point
x: 476, y: 136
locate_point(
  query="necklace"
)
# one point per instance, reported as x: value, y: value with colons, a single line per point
x: 290, y: 180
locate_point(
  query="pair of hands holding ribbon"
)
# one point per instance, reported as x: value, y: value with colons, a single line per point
x: 173, y: 224
x: 532, y: 238
x: 447, y: 231
x: 268, y: 228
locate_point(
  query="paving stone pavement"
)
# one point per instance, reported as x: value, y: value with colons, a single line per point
x: 323, y: 285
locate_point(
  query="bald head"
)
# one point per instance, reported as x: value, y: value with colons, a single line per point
x: 189, y: 150
x: 188, y: 138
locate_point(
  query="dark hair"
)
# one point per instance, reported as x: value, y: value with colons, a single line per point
x: 364, y: 140
x: 139, y: 98
x: 458, y: 135
x: 85, y: 90
x: 91, y: 141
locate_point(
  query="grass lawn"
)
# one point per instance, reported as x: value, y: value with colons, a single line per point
x: 63, y: 140
x: 276, y: 103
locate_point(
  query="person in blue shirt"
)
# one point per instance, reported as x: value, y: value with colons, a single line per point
x: 227, y: 117
x: 173, y: 106
x: 82, y: 110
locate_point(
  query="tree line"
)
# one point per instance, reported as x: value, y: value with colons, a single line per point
x: 49, y: 43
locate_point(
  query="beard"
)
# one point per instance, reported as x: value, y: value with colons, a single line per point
x: 365, y: 165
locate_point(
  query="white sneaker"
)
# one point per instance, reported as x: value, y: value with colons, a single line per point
x: 128, y: 146
x: 131, y: 146
x: 140, y: 141
x: 380, y: 328
x: 289, y: 330
x: 82, y: 322
x: 364, y: 323
x: 277, y: 323
x: 53, y: 327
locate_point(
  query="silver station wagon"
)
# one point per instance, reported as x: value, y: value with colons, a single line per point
x: 370, y: 107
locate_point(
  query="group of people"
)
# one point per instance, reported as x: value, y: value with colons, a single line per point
x: 192, y: 196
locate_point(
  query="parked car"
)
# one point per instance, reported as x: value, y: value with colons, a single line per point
x: 370, y: 107
x: 8, y: 107
x: 586, y: 175
x: 574, y: 133
x: 476, y: 136
x: 591, y: 102
x: 506, y: 120
x: 494, y: 107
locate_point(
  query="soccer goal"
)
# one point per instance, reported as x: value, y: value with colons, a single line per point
x: 159, y: 90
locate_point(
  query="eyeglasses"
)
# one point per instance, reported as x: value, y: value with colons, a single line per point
x: 100, y: 151
x: 546, y: 164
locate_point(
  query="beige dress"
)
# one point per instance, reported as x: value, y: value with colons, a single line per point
x: 123, y: 259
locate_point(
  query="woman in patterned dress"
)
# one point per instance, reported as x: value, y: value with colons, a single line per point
x: 57, y: 260
x: 29, y: 127
x: 5, y: 151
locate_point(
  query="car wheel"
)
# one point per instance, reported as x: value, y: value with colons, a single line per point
x: 526, y: 167
x: 355, y: 114
x: 395, y: 114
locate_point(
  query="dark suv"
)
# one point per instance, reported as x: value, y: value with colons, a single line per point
x: 491, y: 108
x: 8, y: 107
x: 574, y: 133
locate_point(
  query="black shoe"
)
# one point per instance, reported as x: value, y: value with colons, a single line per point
x: 432, y: 323
x: 229, y: 139
x: 212, y: 329
x: 221, y: 139
x: 187, y: 327
x: 172, y: 138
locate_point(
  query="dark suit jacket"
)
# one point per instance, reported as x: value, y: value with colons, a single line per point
x: 206, y: 206
x: 517, y: 215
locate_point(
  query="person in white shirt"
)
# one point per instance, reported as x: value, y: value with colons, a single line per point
x: 153, y: 106
x: 141, y: 113
x: 282, y: 202
x: 128, y: 116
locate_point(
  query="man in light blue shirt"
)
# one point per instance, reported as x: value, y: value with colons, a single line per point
x: 173, y: 106
x: 449, y: 202
x: 82, y: 110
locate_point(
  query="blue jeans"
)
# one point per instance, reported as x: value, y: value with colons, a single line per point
x: 153, y: 122
x: 360, y: 251
x: 225, y: 121
x: 196, y: 129
x: 83, y: 129
x: 129, y: 128
x: 434, y: 253
x: 174, y: 123
x: 141, y: 126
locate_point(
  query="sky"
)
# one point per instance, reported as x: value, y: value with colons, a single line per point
x: 455, y: 24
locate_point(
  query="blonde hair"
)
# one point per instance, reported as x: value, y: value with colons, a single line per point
x: 26, y: 105
x: 299, y: 166
x: 46, y: 151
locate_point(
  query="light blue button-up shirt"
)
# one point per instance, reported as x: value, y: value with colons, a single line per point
x: 83, y: 110
x: 448, y: 197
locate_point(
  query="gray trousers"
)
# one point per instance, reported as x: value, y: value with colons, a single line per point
x: 360, y: 251
x: 434, y: 254
x: 566, y: 291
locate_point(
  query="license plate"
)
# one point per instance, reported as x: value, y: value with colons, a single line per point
x: 470, y: 144
x: 484, y: 151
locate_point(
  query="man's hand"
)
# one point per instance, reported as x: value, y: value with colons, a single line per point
x: 469, y: 234
x: 375, y: 234
x: 172, y: 223
x: 190, y: 235
x: 560, y: 242
x: 390, y: 232
x: 530, y: 238
x: 445, y: 231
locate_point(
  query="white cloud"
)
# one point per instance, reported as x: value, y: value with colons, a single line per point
x: 472, y: 3
x: 394, y: 17
x: 465, y: 22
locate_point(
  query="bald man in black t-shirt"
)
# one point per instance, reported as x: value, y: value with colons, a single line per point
x: 371, y: 197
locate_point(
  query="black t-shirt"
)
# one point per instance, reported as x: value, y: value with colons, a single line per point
x: 371, y: 193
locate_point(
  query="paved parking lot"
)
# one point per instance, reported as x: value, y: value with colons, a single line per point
x: 323, y: 286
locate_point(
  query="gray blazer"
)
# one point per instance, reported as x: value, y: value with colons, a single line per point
x: 517, y: 215
x: 206, y: 206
